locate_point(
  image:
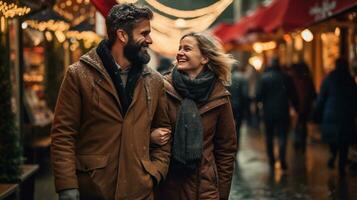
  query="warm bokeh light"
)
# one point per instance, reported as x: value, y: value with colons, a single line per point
x: 264, y: 46
x: 337, y: 31
x: 256, y: 62
x: 307, y: 35
x: 10, y: 10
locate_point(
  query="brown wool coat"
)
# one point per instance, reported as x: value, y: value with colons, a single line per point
x: 95, y: 148
x: 212, y: 180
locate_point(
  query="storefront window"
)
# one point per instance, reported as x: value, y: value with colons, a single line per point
x: 34, y: 72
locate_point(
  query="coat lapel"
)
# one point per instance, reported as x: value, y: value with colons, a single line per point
x: 104, y: 81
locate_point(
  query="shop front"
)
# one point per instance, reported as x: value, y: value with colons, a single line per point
x: 316, y: 32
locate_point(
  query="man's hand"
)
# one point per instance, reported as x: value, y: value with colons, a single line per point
x: 160, y: 136
x: 70, y: 194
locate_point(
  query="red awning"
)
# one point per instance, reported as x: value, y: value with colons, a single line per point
x: 292, y: 14
x: 103, y: 6
x: 228, y: 32
x: 286, y: 15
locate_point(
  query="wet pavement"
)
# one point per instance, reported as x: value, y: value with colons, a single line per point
x: 307, y: 176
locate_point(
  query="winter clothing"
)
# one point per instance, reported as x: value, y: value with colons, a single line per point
x: 212, y: 178
x: 187, y: 145
x: 276, y: 90
x: 306, y: 94
x: 336, y: 107
x: 337, y: 110
x: 238, y: 91
x: 99, y: 148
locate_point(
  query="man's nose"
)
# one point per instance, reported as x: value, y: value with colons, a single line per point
x: 148, y: 39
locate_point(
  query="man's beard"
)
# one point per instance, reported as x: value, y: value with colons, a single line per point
x: 133, y: 52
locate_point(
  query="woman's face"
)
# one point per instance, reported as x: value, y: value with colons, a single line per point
x: 189, y: 57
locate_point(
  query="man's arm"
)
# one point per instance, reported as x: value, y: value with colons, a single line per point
x: 160, y: 155
x: 64, y: 130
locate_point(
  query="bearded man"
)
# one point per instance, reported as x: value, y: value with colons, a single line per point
x: 108, y: 104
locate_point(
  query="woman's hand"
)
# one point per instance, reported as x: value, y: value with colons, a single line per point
x: 160, y: 136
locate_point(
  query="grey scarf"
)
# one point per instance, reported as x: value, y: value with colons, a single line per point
x: 188, y: 136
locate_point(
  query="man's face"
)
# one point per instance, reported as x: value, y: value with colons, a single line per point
x: 136, y: 48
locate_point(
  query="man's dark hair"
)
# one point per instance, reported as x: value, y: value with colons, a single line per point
x: 125, y: 16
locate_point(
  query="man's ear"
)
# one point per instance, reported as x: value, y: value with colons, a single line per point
x: 122, y: 36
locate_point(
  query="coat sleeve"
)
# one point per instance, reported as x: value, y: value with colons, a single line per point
x: 64, y: 130
x: 160, y: 155
x: 225, y: 149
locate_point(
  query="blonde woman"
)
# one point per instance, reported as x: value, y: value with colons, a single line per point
x: 204, y: 139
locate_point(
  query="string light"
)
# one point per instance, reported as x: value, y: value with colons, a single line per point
x: 89, y: 38
x: 307, y: 35
x: 51, y: 25
x: 48, y: 36
x: 12, y: 10
x: 264, y: 46
x: 24, y: 25
x: 60, y: 36
x: 62, y: 12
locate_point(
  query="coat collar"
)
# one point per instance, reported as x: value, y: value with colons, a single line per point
x: 218, y: 96
x: 93, y: 60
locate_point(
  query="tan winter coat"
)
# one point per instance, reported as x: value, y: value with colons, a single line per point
x: 212, y: 180
x: 95, y: 148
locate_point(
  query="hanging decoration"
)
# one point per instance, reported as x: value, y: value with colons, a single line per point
x: 51, y: 25
x: 75, y: 11
x: 83, y: 32
x: 48, y: 20
x: 169, y: 24
x: 10, y: 10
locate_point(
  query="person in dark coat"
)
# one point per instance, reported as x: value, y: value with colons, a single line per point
x: 337, y: 110
x: 238, y: 90
x: 306, y: 94
x: 276, y: 90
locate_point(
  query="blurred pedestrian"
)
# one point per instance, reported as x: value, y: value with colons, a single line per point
x: 165, y: 65
x: 276, y: 90
x: 238, y: 90
x: 306, y: 95
x: 204, y: 139
x: 251, y: 110
x: 336, y: 109
x: 108, y: 103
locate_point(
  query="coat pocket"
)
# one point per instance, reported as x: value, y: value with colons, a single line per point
x: 90, y: 176
x: 87, y: 163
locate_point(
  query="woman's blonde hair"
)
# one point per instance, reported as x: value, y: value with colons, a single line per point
x: 219, y: 62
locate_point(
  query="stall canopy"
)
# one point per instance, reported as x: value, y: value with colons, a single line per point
x: 285, y: 15
x: 103, y: 6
